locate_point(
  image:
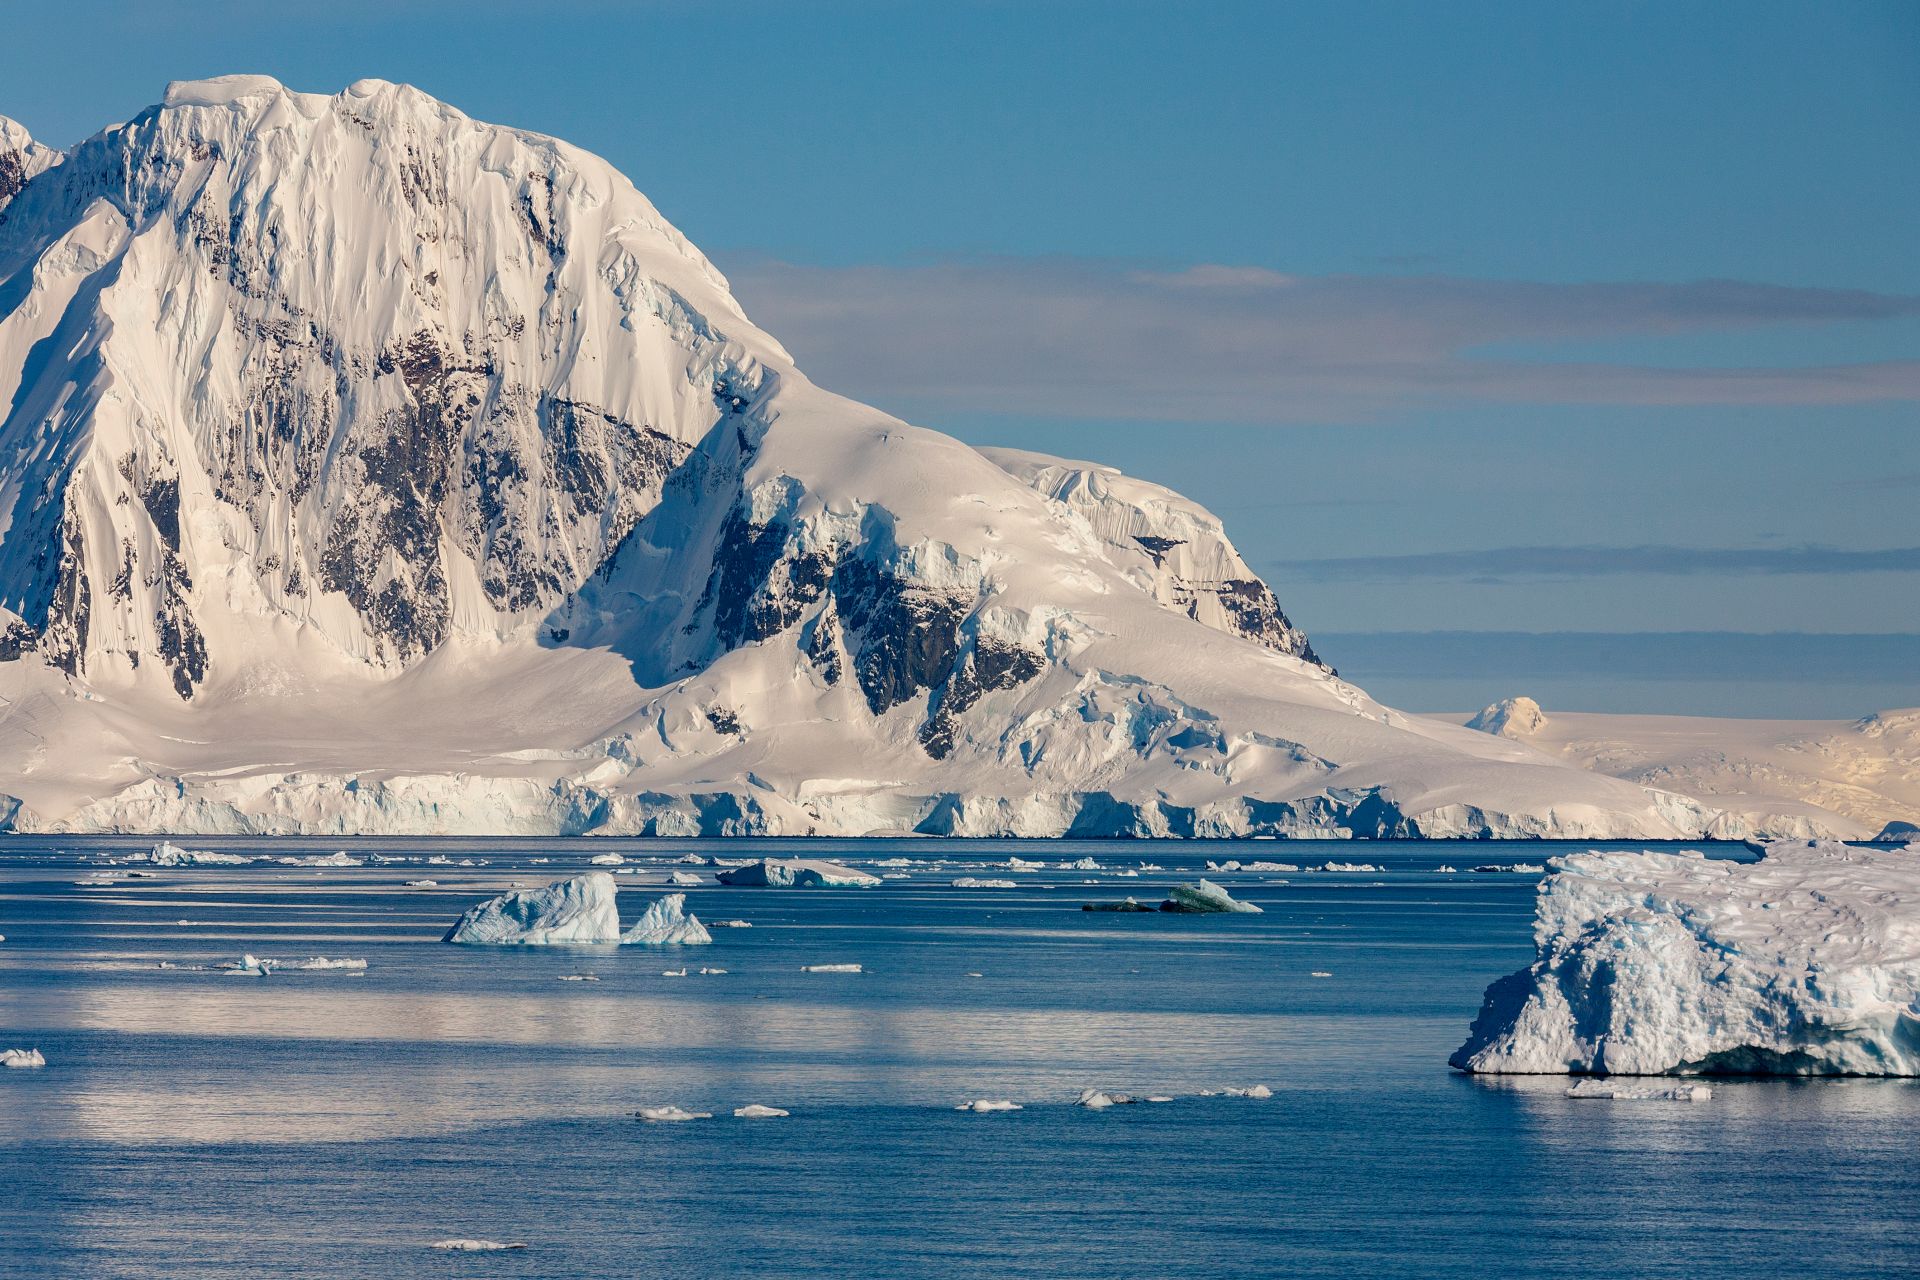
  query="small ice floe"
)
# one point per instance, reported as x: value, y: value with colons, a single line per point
x: 711, y: 972
x: 476, y: 1246
x: 1158, y: 1097
x: 1521, y: 868
x: 732, y: 924
x: 1080, y: 864
x: 1127, y: 905
x: 423, y: 884
x: 340, y: 859
x: 895, y: 875
x: 579, y: 977
x: 540, y: 861
x: 168, y: 854
x: 1321, y: 973
x: 19, y: 1059
x: 754, y: 1111
x: 975, y: 882
x: 3, y: 937
x: 670, y: 1115
x: 673, y: 973
x: 1222, y: 866
x: 894, y: 862
x: 322, y: 962
x: 1251, y: 1091
x: 795, y: 873
x: 1639, y: 1093
x: 1203, y: 896
x: 830, y: 968
x: 685, y: 879
x: 607, y: 860
x: 989, y: 1104
x: 249, y: 966
x: 972, y: 974
x: 1270, y: 866
x: 1101, y: 1099
x: 685, y: 860
x: 1444, y: 870
x: 1348, y: 867
x: 1021, y: 864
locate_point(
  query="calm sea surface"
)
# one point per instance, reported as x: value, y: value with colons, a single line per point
x: 196, y: 1124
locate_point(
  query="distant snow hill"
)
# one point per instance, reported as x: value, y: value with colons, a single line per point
x: 1859, y: 778
x: 367, y: 468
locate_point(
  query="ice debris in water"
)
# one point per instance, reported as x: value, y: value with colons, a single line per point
x: 1445, y: 870
x: 830, y: 968
x: 1347, y: 867
x: 476, y: 1246
x: 1321, y: 973
x: 423, y: 884
x: 670, y: 1114
x: 1806, y: 962
x: 1204, y: 896
x: 1082, y: 864
x: 579, y: 977
x: 607, y: 860
x: 21, y: 1058
x: 974, y: 882
x: 322, y: 962
x: 732, y: 924
x: 989, y: 1104
x: 754, y: 1111
x: 1128, y: 904
x: 1101, y: 1099
x: 249, y: 966
x: 1251, y: 1091
x: 685, y: 879
x: 167, y: 854
x: 667, y: 922
x: 795, y: 873
x: 1639, y: 1093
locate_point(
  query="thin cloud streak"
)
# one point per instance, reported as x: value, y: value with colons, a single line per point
x: 1074, y: 339
x: 1505, y: 564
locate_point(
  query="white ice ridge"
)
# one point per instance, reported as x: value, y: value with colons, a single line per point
x: 20, y: 1058
x: 573, y: 912
x: 795, y: 873
x: 1806, y: 962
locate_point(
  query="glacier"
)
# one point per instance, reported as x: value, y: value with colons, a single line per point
x: 371, y: 469
x: 1805, y: 962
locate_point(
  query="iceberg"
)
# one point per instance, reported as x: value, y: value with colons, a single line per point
x: 1128, y: 904
x: 1100, y: 1099
x: 795, y: 873
x: 685, y: 879
x: 1806, y: 962
x: 989, y: 1104
x: 18, y: 1059
x: 667, y: 922
x: 754, y: 1111
x: 1204, y: 896
x: 168, y: 854
x: 1639, y: 1093
x: 566, y: 912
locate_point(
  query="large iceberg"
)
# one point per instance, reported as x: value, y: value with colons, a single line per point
x: 1806, y: 962
x: 1204, y: 896
x: 579, y: 910
x: 668, y: 922
x: 795, y: 873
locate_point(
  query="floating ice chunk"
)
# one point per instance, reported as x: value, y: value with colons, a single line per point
x: 423, y: 884
x: 685, y: 879
x: 1100, y: 1099
x: 732, y: 924
x: 1445, y: 870
x: 476, y: 1246
x: 1082, y: 864
x: 607, y: 860
x: 1806, y: 962
x: 1639, y: 1093
x: 20, y: 1059
x: 1321, y: 973
x: 566, y: 912
x: 894, y: 862
x: 1021, y: 864
x: 795, y: 873
x: 754, y: 1111
x: 989, y: 1104
x: 322, y: 962
x: 579, y: 977
x: 670, y: 1115
x: 539, y: 861
x: 340, y: 859
x: 1270, y: 866
x: 667, y: 922
x: 1204, y: 896
x: 711, y: 972
x: 895, y: 875
x: 249, y: 966
x: 830, y: 968
x: 974, y: 882
x: 692, y: 859
x: 674, y: 973
x: 1251, y: 1091
x: 1349, y: 866
x: 167, y: 854
x: 1222, y: 866
x: 1127, y: 905
x: 1159, y: 1097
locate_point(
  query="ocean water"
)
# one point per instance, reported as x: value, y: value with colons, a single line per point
x: 335, y: 1124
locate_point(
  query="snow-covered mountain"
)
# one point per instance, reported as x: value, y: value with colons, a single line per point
x: 369, y: 468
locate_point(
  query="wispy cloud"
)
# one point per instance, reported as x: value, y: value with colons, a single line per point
x: 1217, y: 342
x: 1503, y: 564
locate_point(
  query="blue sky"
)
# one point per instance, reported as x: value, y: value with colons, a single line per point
x: 1489, y: 317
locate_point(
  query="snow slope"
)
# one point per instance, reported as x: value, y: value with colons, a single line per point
x: 368, y: 468
x: 1847, y: 778
x: 1804, y: 963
